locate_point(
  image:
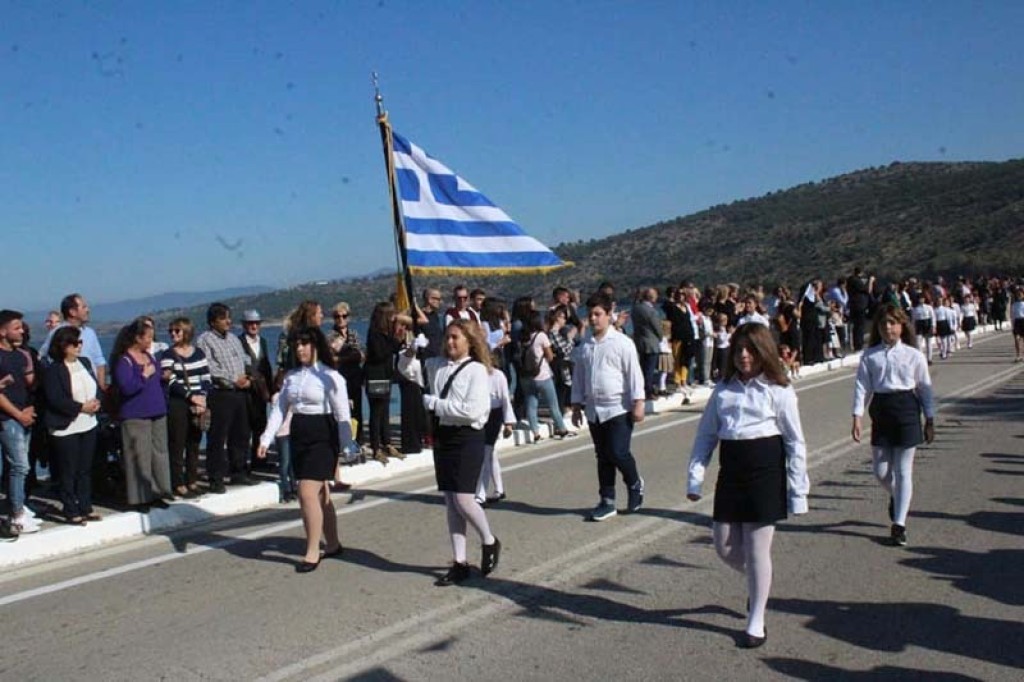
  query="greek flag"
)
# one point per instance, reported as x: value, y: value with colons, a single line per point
x: 451, y: 228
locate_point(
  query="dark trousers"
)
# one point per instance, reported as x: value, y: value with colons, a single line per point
x: 612, y: 445
x: 183, y: 444
x: 257, y: 410
x: 380, y: 421
x: 228, y: 438
x: 353, y: 375
x: 413, y: 416
x: 75, y: 453
x: 857, y: 319
x: 649, y: 363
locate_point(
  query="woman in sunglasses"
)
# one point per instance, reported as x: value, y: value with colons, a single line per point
x: 186, y: 374
x: 72, y: 401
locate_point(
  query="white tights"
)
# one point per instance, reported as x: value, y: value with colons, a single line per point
x: 491, y: 470
x: 463, y: 508
x: 894, y: 469
x: 747, y: 547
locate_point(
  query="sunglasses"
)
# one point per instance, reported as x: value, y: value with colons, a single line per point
x: 174, y: 331
x: 77, y: 344
x: 462, y: 298
x: 341, y: 316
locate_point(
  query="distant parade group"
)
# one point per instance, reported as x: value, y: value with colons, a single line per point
x: 469, y: 374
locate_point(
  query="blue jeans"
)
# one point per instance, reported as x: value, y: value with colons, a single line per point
x: 534, y: 390
x: 649, y: 364
x: 286, y: 475
x: 612, y: 444
x: 14, y: 441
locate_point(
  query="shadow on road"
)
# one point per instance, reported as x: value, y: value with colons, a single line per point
x: 895, y: 626
x: 809, y: 670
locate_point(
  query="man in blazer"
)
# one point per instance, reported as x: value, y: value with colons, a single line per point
x: 262, y: 374
x: 647, y: 336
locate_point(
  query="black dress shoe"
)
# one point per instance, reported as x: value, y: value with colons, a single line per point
x: 306, y: 566
x: 491, y: 553
x: 749, y: 641
x: 333, y: 553
x: 217, y: 488
x: 141, y: 508
x: 456, y: 574
x: 160, y: 503
x: 244, y: 479
x: 500, y: 497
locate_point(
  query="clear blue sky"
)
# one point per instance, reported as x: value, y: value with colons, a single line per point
x: 134, y: 134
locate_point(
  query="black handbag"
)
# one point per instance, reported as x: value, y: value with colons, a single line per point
x: 378, y: 387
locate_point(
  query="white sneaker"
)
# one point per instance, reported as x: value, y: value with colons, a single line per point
x: 27, y: 511
x: 25, y: 524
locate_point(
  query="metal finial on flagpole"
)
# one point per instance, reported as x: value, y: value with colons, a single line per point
x: 377, y: 97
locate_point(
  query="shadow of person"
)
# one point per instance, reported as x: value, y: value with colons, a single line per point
x: 994, y: 574
x: 376, y: 562
x: 810, y: 670
x: 895, y: 626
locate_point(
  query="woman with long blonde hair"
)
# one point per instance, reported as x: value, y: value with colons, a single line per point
x: 460, y: 401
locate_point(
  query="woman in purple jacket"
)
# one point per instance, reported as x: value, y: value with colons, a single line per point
x: 143, y: 414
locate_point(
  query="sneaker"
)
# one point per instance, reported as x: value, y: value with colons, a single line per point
x: 25, y: 524
x: 636, y: 498
x: 604, y: 510
x: 898, y: 535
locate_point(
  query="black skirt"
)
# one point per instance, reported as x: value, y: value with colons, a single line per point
x: 751, y: 485
x: 895, y: 420
x: 314, y: 443
x: 969, y: 324
x: 944, y: 328
x: 493, y: 426
x: 923, y: 327
x: 1018, y: 326
x: 458, y: 457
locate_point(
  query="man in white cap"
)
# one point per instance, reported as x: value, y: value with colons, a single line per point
x: 262, y: 374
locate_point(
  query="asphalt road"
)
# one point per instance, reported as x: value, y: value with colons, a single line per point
x: 639, y: 597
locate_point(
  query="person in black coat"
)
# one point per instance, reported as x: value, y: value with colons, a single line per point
x: 262, y: 375
x: 72, y: 401
x: 382, y: 345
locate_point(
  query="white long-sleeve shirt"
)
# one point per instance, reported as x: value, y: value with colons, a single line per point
x: 315, y: 389
x: 500, y: 398
x: 887, y: 369
x: 606, y: 376
x: 468, y: 402
x: 757, y: 408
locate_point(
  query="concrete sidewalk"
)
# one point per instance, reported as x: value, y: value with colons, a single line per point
x: 60, y: 540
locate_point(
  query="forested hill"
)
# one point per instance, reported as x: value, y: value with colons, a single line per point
x: 901, y: 219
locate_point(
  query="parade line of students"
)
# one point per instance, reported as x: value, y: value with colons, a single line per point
x: 162, y: 396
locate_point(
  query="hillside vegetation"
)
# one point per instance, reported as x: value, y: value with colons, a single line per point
x: 897, y: 220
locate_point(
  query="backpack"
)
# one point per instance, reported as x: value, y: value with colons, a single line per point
x: 526, y: 361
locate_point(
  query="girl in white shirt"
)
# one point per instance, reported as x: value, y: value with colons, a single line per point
x: 1017, y: 315
x: 924, y: 323
x: 752, y: 416
x: 459, y: 396
x: 893, y: 373
x: 500, y: 421
x: 320, y: 430
x: 944, y: 328
x: 969, y: 321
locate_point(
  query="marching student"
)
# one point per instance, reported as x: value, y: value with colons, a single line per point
x: 459, y: 396
x: 608, y: 386
x: 944, y: 328
x: 893, y: 374
x: 923, y: 316
x: 969, y: 323
x: 1017, y: 315
x: 500, y: 421
x: 320, y: 429
x: 752, y: 417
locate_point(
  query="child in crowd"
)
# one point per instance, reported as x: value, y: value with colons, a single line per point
x: 835, y: 322
x: 790, y: 360
x: 666, y: 366
x: 722, y: 332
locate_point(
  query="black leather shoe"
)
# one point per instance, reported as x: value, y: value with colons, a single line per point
x: 500, y: 497
x: 491, y: 553
x: 306, y: 566
x: 749, y: 641
x: 456, y: 574
x: 217, y: 488
x: 160, y: 503
x: 333, y: 553
x: 244, y: 479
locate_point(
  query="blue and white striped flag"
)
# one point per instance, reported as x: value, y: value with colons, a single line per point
x: 451, y: 228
